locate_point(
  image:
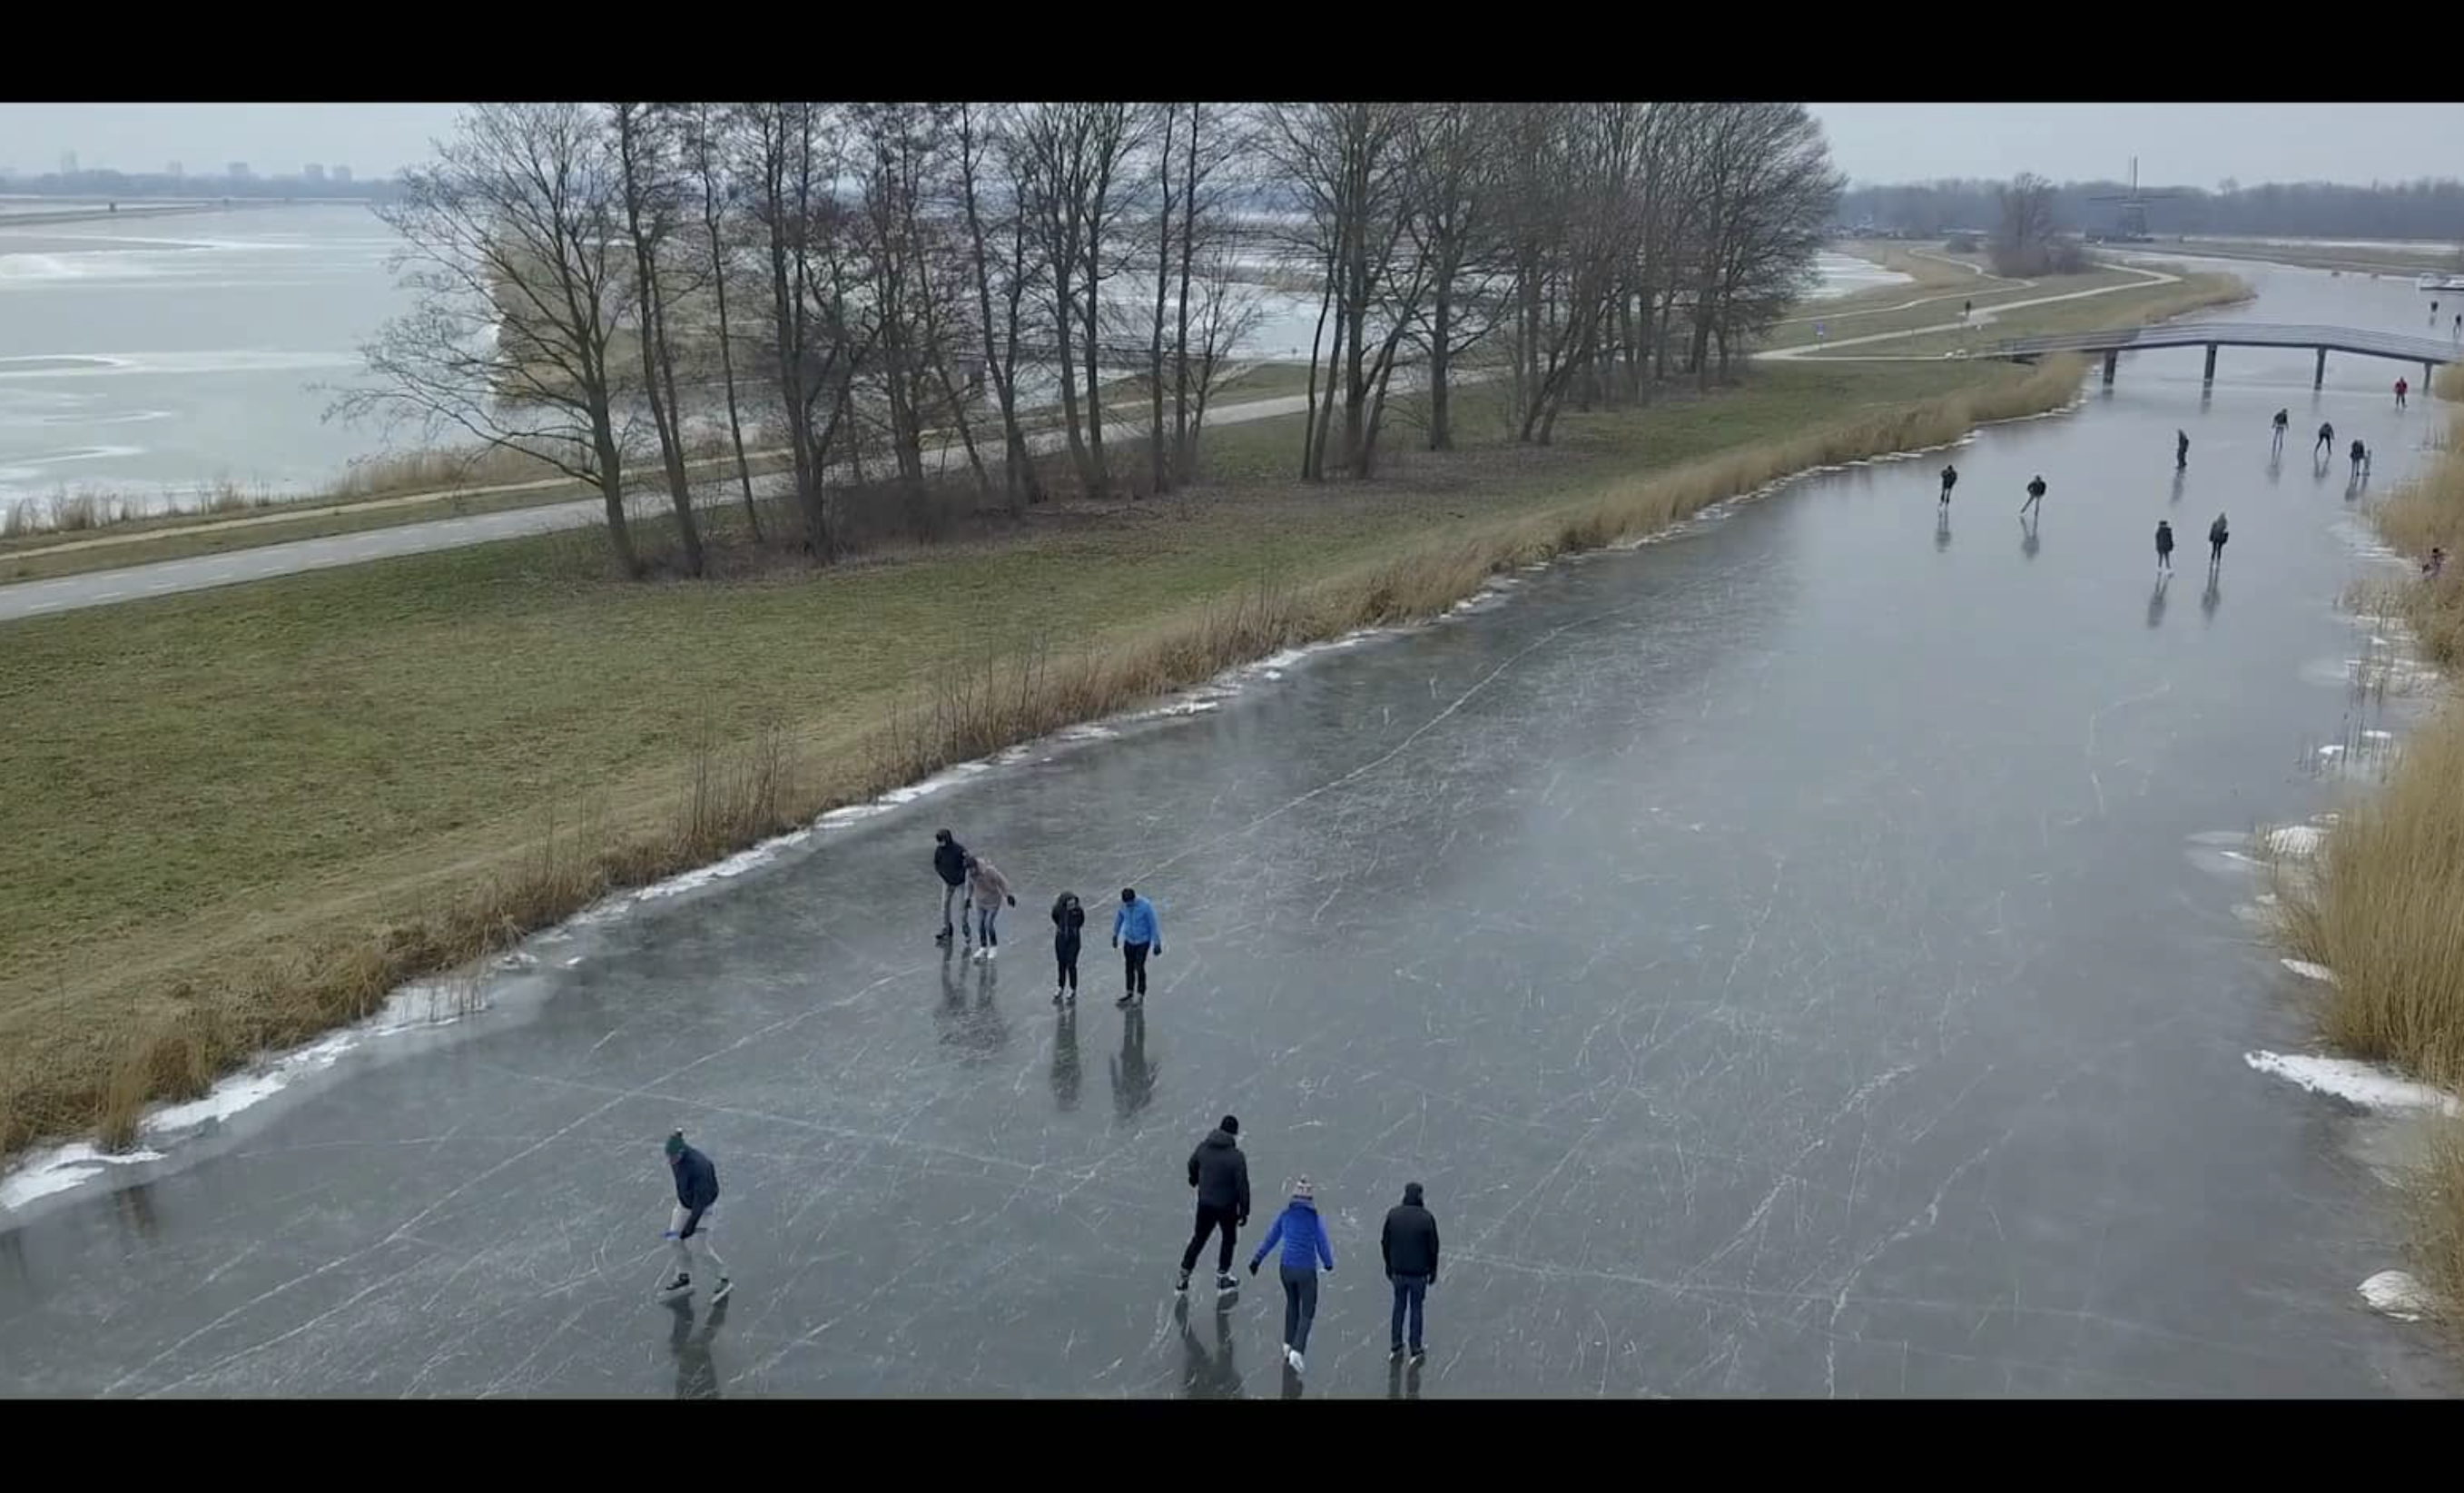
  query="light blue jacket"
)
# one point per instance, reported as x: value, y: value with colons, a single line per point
x: 1135, y: 923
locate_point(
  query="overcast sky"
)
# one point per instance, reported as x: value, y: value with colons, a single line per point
x: 2194, y: 144
x: 2178, y: 145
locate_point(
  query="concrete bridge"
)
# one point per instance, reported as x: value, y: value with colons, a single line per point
x: 2428, y: 352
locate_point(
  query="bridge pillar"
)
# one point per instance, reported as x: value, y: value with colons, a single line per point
x: 2429, y: 370
x: 2318, y: 376
x: 2112, y: 357
x: 2209, y: 376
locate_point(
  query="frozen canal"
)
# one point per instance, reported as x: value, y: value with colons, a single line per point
x: 1794, y: 957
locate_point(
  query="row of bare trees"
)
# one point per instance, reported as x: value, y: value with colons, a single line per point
x: 915, y: 285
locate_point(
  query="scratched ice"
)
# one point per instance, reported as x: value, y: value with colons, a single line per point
x: 1777, y: 951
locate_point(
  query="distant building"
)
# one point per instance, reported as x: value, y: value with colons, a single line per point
x: 238, y: 172
x: 68, y: 163
x: 314, y: 172
x: 174, y: 171
x: 343, y: 175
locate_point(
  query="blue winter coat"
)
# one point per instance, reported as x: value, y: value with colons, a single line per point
x: 1303, y: 1236
x: 1135, y: 923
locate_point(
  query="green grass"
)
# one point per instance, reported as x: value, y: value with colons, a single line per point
x: 1799, y: 332
x: 2154, y: 303
x: 259, y: 805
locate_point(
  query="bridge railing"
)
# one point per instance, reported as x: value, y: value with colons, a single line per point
x: 2246, y: 334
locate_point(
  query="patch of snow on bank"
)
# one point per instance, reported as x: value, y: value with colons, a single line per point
x: 62, y: 1167
x: 2355, y: 1083
x: 2308, y: 970
x: 2297, y: 840
x: 2396, y: 1294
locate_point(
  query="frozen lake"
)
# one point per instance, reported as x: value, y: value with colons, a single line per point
x: 1796, y: 957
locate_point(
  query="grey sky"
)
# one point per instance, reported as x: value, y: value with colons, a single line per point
x: 2178, y: 145
x: 274, y: 138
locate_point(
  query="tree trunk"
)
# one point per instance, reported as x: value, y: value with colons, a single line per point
x: 611, y: 492
x: 1311, y: 464
x: 1184, y: 455
x: 1442, y: 433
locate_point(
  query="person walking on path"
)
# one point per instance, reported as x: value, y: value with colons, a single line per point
x: 1949, y: 480
x: 1068, y: 923
x: 1136, y: 934
x: 989, y: 890
x: 1303, y: 1235
x: 2181, y: 450
x: 949, y: 863
x: 2283, y: 418
x: 1221, y: 1173
x: 2326, y: 437
x: 1409, y: 1243
x: 2036, y: 495
x: 2401, y: 388
x: 2164, y: 547
x: 2217, y: 533
x: 696, y: 1193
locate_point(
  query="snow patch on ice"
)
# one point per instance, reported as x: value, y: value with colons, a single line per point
x: 2309, y: 971
x: 2356, y: 1082
x: 2331, y: 750
x: 2296, y: 839
x: 2396, y: 1294
x: 2378, y: 736
x: 62, y: 1167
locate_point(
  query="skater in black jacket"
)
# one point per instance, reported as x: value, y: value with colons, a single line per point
x: 1068, y: 923
x: 950, y: 862
x: 1410, y: 1246
x: 1221, y: 1173
x: 696, y: 1193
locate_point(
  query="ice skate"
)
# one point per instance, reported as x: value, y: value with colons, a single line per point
x: 1181, y: 1285
x: 1224, y: 1283
x: 1420, y: 1355
x: 719, y: 1294
x: 1292, y: 1356
x: 1057, y: 995
x: 991, y: 953
x: 675, y: 1290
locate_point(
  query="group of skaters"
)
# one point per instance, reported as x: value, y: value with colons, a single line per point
x: 979, y: 891
x: 2324, y: 447
x: 1407, y: 1247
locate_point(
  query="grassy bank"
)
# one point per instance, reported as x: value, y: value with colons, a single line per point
x: 2383, y: 902
x: 264, y: 807
x: 1798, y: 332
x: 2151, y: 302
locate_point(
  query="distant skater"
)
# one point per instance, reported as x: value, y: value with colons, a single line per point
x: 1968, y: 308
x: 2359, y: 455
x: 1068, y: 922
x: 1136, y: 934
x: 2217, y: 533
x: 2436, y: 565
x: 1303, y: 1235
x: 1409, y: 1243
x: 696, y: 1193
x: 1949, y: 480
x: 2181, y: 450
x: 2283, y: 418
x: 2036, y: 495
x: 949, y: 863
x: 2401, y: 388
x: 2459, y: 325
x: 989, y: 890
x: 2164, y: 546
x: 2326, y: 437
x: 1221, y: 1173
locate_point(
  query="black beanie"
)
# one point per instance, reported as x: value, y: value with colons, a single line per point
x: 1231, y: 1124
x: 1412, y: 1193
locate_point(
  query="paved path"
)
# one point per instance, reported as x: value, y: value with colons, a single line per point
x: 233, y: 568
x: 1985, y: 316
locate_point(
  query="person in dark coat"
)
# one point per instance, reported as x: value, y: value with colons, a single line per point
x: 950, y: 862
x: 1221, y: 1173
x: 1069, y: 923
x: 2164, y: 546
x: 1410, y: 1245
x: 696, y: 1193
x: 2326, y: 438
x: 2217, y: 533
x: 1949, y: 479
x: 2181, y: 450
x: 2035, y: 496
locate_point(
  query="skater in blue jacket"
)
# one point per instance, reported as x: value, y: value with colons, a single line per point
x: 1136, y: 933
x: 1305, y: 1246
x: 696, y: 1193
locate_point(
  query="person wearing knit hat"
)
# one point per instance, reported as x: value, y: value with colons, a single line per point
x: 696, y: 1193
x: 1409, y: 1243
x: 1221, y: 1173
x: 1305, y: 1247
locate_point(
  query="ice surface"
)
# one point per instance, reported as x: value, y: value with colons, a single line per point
x: 1772, y: 947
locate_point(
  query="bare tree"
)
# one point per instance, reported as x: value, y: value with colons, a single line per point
x: 1452, y: 185
x: 704, y: 130
x: 2026, y: 239
x: 643, y: 155
x: 513, y: 244
x: 998, y: 238
x: 1074, y: 158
